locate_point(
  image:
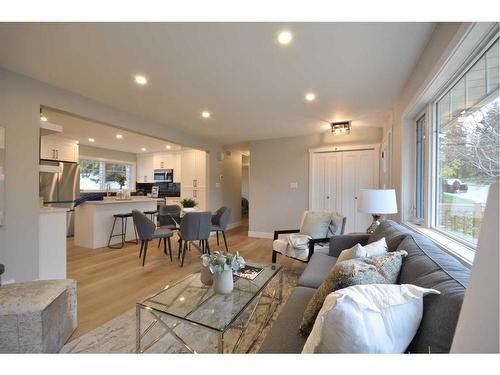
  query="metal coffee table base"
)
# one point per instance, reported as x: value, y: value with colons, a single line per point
x: 270, y: 297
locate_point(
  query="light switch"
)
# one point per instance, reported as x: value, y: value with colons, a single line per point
x: 294, y: 185
x: 217, y: 184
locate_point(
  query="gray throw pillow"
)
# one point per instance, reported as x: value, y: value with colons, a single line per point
x: 383, y: 269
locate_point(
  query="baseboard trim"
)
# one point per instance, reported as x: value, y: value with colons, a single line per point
x: 267, y: 235
x: 236, y: 224
x: 229, y: 226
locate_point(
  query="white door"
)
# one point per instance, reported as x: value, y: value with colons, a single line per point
x: 359, y: 171
x: 326, y: 182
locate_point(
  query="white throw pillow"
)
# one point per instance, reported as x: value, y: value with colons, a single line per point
x: 316, y: 224
x: 357, y: 251
x: 376, y: 248
x: 375, y: 318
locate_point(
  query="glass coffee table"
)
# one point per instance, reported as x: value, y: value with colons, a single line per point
x: 189, y: 316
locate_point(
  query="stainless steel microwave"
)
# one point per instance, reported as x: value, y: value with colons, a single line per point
x: 164, y: 175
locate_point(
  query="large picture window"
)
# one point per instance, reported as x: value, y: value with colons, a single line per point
x: 467, y: 148
x: 99, y: 175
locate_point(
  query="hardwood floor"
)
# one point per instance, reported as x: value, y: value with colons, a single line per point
x: 110, y: 281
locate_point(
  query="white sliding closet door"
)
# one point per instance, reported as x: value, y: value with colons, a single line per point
x: 335, y: 181
x: 326, y: 186
x: 359, y: 171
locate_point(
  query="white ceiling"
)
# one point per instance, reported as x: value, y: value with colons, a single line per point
x: 253, y: 86
x: 80, y: 129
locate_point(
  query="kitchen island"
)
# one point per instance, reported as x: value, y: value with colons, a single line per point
x: 94, y: 220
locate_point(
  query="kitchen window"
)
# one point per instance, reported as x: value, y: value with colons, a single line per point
x: 466, y: 148
x: 100, y: 174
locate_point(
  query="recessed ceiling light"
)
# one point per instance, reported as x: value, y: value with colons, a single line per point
x: 205, y: 114
x: 168, y: 147
x: 285, y: 37
x: 310, y: 96
x: 43, y: 118
x: 143, y: 149
x: 141, y: 80
x: 91, y: 140
x: 119, y: 136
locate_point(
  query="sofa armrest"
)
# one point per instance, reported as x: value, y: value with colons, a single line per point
x: 313, y: 242
x: 346, y: 241
x: 286, y: 231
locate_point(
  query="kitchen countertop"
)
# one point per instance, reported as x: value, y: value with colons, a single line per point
x: 112, y: 200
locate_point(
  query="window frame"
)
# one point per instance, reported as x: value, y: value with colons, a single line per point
x: 420, y: 162
x: 434, y: 141
x: 105, y: 160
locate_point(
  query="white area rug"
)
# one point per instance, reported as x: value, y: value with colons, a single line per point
x: 119, y: 334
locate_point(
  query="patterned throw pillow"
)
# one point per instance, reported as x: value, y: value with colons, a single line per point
x: 383, y: 269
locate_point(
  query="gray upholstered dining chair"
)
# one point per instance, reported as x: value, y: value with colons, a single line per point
x: 219, y: 223
x: 169, y: 216
x: 147, y: 231
x: 195, y: 226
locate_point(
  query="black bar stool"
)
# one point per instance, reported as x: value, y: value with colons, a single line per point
x: 123, y: 233
x: 151, y: 214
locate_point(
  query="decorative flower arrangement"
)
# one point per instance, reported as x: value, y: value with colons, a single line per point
x: 219, y: 262
x: 188, y: 203
x: 121, y: 179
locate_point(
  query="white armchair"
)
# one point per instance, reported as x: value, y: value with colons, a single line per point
x: 320, y: 226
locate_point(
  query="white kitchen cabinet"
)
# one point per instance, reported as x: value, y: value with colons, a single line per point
x: 193, y: 166
x: 193, y: 178
x: 145, y: 168
x: 58, y: 148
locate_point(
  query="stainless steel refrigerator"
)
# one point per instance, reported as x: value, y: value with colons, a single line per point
x: 61, y: 189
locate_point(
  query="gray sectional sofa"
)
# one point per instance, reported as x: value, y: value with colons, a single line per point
x: 426, y: 265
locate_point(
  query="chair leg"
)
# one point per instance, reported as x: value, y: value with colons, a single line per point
x: 164, y: 246
x: 111, y: 234
x: 142, y: 247
x: 136, y: 236
x: 180, y: 249
x: 124, y: 231
x: 169, y: 248
x: 159, y: 243
x: 275, y: 254
x: 184, y: 250
x: 145, y: 252
x: 208, y: 248
x: 225, y: 241
x: 202, y: 242
x: 217, y: 233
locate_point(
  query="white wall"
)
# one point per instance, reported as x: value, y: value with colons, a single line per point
x: 104, y: 153
x: 275, y: 163
x: 231, y: 186
x: 20, y: 101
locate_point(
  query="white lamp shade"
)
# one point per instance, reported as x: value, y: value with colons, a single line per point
x: 477, y: 328
x: 377, y: 201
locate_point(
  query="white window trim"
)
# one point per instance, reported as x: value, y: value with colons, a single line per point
x: 132, y: 172
x: 462, y: 251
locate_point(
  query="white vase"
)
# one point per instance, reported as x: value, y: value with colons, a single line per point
x: 189, y: 209
x: 205, y: 276
x: 223, y: 283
